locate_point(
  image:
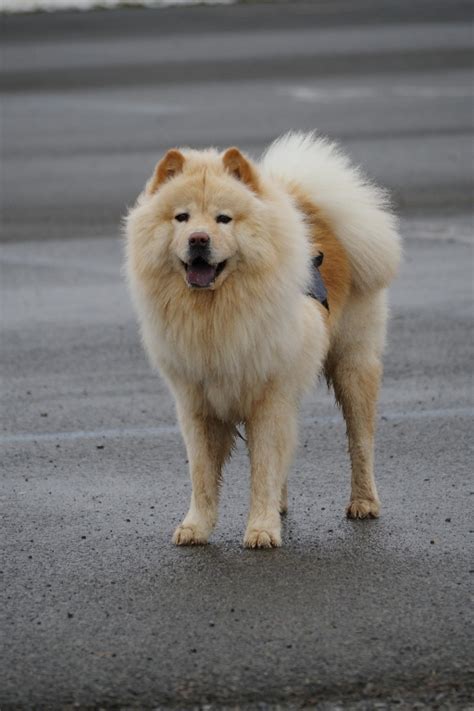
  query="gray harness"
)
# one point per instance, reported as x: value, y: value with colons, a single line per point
x: 317, y: 288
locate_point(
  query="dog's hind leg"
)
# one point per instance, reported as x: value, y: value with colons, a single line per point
x: 354, y: 368
x: 356, y: 389
x: 208, y: 443
x: 271, y: 432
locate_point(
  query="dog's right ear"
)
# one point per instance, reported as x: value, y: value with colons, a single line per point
x: 167, y: 168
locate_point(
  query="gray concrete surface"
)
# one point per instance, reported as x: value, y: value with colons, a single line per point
x: 98, y: 609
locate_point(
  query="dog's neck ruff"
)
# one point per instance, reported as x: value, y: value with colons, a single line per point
x: 318, y: 289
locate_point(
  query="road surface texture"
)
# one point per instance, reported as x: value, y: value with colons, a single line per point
x: 99, y: 609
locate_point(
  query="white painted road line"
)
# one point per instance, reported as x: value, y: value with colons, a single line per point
x: 163, y: 430
x: 362, y: 93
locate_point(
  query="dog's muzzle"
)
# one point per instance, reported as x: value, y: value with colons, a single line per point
x: 200, y: 271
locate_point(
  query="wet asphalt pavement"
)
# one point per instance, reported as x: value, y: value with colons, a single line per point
x: 98, y: 608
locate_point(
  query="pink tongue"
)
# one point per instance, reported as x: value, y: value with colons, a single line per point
x: 201, y: 274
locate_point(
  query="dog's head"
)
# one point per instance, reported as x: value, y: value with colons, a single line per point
x: 202, y: 216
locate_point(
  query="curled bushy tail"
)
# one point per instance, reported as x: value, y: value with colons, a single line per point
x: 357, y: 210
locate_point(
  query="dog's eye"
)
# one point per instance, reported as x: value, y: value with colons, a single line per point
x: 225, y: 219
x: 182, y: 217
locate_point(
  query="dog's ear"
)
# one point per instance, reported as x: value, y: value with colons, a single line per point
x: 169, y: 166
x: 240, y: 168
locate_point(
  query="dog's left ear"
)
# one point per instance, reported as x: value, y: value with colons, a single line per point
x: 240, y: 168
x: 169, y: 166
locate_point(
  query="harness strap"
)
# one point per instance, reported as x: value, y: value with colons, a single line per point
x: 317, y: 288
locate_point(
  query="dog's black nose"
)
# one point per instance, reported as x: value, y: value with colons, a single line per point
x: 199, y: 239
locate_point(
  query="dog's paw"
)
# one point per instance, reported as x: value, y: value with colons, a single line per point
x: 363, y: 508
x: 189, y: 535
x: 262, y: 538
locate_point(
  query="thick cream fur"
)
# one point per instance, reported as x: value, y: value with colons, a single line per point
x: 246, y: 349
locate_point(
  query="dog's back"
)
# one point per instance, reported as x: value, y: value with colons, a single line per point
x: 355, y: 209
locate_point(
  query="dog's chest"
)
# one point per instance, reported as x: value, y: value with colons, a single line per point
x: 225, y: 381
x: 229, y: 401
x: 225, y: 357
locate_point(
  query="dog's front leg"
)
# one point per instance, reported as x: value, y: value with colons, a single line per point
x: 271, y: 435
x: 208, y: 444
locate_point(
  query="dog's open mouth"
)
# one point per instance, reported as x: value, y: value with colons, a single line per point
x: 201, y: 274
